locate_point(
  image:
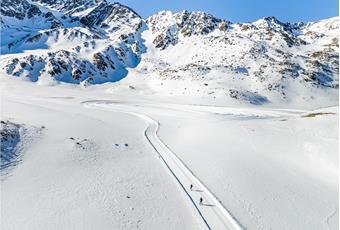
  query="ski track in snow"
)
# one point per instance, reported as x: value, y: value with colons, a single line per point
x: 96, y: 187
x: 332, y: 215
x: 213, y: 213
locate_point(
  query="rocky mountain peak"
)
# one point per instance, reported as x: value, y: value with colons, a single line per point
x: 196, y: 23
x: 68, y: 6
x: 273, y: 23
x: 109, y: 13
x: 22, y: 12
x: 19, y: 9
x: 168, y: 26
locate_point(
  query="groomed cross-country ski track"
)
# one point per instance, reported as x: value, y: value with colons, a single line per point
x: 213, y: 213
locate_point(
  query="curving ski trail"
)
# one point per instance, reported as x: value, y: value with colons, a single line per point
x: 212, y: 212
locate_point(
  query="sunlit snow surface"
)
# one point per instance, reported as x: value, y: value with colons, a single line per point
x: 92, y: 166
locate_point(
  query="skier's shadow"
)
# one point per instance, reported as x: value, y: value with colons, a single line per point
x: 208, y: 205
x: 197, y: 190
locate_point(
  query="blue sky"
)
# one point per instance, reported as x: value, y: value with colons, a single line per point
x: 243, y: 10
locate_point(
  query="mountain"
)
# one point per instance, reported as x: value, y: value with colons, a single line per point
x: 260, y: 62
x: 184, y: 53
x: 88, y: 47
x: 68, y: 7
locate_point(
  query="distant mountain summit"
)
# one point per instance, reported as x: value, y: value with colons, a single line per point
x: 68, y: 7
x: 93, y: 41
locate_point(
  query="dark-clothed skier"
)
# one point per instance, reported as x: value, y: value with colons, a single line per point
x: 201, y: 201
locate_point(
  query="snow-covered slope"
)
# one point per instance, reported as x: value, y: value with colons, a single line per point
x: 121, y: 162
x: 187, y: 53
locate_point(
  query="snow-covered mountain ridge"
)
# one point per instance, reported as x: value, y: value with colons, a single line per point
x: 94, y: 46
x: 184, y: 53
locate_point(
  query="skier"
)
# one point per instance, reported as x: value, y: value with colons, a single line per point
x: 191, y: 186
x: 201, y: 201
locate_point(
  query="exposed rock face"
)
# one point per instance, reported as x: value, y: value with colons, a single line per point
x: 168, y: 26
x: 19, y: 9
x: 68, y: 6
x: 22, y: 9
x: 9, y: 139
x: 105, y: 14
